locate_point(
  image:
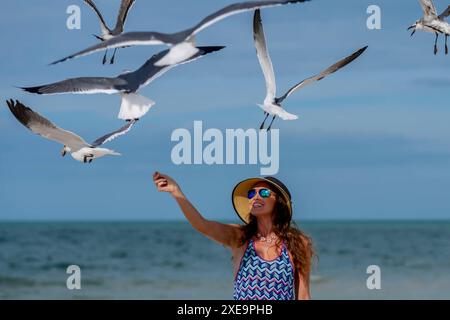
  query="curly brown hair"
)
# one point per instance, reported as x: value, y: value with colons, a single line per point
x: 297, y: 242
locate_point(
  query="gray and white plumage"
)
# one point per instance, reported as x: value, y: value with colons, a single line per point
x: 430, y: 12
x: 127, y: 85
x: 433, y: 23
x: 113, y: 135
x: 445, y: 14
x: 73, y: 143
x: 125, y: 6
x: 332, y: 69
x: 272, y: 104
x: 428, y: 8
x: 108, y: 33
x: 182, y: 43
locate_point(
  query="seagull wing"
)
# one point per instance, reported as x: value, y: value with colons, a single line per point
x: 148, y: 72
x: 237, y: 8
x: 103, y: 26
x: 156, y: 38
x: 122, y: 17
x: 123, y: 40
x: 113, y: 135
x: 335, y: 67
x: 43, y: 127
x: 263, y: 56
x: 87, y: 85
x: 445, y: 14
x: 428, y: 8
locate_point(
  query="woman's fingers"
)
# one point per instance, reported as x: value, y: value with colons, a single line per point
x: 163, y: 182
x: 160, y: 179
x: 158, y: 175
x: 162, y: 185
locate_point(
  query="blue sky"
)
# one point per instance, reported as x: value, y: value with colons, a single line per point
x: 372, y: 141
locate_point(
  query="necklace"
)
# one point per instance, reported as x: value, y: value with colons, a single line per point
x: 269, y: 240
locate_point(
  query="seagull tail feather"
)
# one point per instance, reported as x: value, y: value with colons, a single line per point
x: 36, y: 90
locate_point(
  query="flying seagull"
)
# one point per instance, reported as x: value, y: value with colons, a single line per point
x: 182, y: 44
x: 272, y: 104
x: 133, y: 105
x: 108, y: 33
x: 431, y: 22
x: 78, y: 148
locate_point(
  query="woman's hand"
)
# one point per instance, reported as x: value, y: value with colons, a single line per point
x: 165, y: 183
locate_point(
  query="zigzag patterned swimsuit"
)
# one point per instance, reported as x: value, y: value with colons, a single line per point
x: 259, y: 279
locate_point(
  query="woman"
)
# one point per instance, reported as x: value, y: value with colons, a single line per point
x: 271, y: 257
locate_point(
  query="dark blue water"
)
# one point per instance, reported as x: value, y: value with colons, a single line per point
x: 147, y: 260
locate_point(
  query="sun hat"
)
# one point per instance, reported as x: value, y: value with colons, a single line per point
x: 240, y: 192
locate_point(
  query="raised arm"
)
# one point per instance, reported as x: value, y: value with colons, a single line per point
x: 226, y: 234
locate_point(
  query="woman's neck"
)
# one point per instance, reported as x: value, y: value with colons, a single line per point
x: 265, y: 226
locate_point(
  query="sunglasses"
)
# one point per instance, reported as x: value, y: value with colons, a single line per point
x: 264, y: 193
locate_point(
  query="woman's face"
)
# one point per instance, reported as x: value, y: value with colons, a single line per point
x: 260, y: 206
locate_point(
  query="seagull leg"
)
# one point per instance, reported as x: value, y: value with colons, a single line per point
x: 271, y: 123
x: 446, y: 47
x: 85, y: 159
x: 264, y: 122
x: 113, y: 57
x: 104, y: 57
x: 90, y: 160
x: 435, y: 43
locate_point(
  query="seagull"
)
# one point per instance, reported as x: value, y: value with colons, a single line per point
x: 108, y: 33
x: 133, y: 105
x: 431, y: 22
x: 272, y: 104
x: 78, y: 148
x: 182, y: 44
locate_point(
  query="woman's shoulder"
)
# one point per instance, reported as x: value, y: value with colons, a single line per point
x: 239, y: 233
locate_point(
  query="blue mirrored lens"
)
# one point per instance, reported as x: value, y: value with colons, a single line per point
x: 265, y: 193
x: 251, y: 194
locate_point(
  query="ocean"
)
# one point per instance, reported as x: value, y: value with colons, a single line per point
x: 169, y: 260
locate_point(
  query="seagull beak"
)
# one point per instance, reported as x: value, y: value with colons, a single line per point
x: 412, y: 27
x: 98, y: 37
